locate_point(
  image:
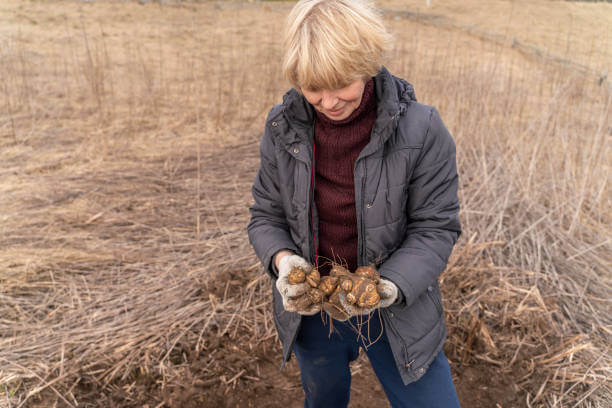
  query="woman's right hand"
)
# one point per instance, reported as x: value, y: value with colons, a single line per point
x: 292, y: 293
x: 280, y: 255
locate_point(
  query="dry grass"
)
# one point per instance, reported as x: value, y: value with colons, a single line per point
x: 129, y: 143
x: 576, y: 32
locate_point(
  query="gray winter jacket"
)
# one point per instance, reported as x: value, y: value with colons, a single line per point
x: 407, y: 211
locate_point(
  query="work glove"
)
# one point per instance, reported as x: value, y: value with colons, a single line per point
x: 295, y: 295
x: 359, y: 293
x: 387, y: 291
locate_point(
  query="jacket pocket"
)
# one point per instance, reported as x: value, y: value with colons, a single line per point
x: 396, y: 203
x: 387, y: 207
x: 415, y: 321
x: 406, y: 361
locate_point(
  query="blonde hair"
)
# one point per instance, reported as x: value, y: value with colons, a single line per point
x: 329, y: 44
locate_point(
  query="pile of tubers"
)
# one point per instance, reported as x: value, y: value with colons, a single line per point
x: 358, y: 288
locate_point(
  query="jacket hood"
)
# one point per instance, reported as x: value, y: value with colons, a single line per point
x: 393, y: 94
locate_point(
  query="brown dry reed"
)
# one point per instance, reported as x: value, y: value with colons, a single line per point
x: 125, y: 181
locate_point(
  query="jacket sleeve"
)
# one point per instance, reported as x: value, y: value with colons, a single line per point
x: 433, y: 215
x: 268, y: 230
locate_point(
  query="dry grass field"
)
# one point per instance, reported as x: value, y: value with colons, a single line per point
x: 129, y: 140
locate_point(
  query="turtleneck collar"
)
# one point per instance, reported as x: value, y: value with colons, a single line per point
x: 368, y: 103
x: 391, y: 94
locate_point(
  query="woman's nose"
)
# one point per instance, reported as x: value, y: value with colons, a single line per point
x: 329, y: 101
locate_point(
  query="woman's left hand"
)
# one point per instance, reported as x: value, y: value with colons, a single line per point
x: 388, y: 292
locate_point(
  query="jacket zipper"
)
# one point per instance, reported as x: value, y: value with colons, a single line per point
x: 362, y: 253
x: 311, y: 237
x: 407, y: 361
x: 311, y: 217
x: 361, y: 237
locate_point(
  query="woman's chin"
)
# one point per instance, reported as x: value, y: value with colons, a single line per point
x: 336, y: 115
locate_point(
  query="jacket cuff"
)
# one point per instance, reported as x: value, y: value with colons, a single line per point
x: 268, y: 259
x: 273, y: 265
x: 400, y: 295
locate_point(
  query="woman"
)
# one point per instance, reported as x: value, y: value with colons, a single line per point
x: 353, y: 168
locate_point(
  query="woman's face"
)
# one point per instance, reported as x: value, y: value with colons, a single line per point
x: 336, y: 104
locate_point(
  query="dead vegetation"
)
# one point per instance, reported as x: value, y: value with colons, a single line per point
x: 129, y: 144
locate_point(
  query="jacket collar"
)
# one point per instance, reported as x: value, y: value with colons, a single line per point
x: 392, y: 94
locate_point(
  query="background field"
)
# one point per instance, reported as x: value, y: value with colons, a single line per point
x: 129, y: 139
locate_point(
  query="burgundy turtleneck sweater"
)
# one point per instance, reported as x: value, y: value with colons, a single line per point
x: 337, y: 144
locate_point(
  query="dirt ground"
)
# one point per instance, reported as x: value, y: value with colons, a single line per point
x: 262, y: 384
x: 478, y: 386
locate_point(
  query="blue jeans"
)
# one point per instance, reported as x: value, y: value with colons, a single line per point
x: 326, y: 376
